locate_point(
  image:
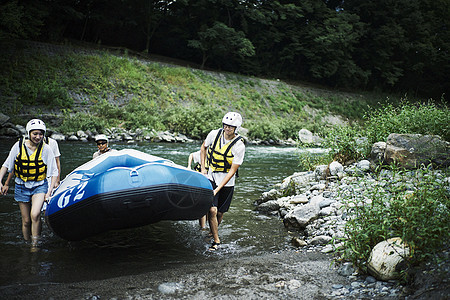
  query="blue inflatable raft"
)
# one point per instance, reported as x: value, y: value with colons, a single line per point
x: 125, y: 189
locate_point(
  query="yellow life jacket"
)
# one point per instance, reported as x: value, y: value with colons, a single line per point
x: 30, y: 167
x: 198, y: 167
x: 220, y: 159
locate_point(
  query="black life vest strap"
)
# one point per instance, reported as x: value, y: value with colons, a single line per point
x: 226, y: 164
x: 213, y: 147
x: 36, y: 159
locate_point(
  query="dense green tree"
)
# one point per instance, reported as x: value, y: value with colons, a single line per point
x: 21, y: 19
x: 403, y: 40
x: 221, y: 41
x: 390, y: 45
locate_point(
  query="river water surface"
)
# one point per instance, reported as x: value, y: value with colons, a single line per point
x: 244, y: 232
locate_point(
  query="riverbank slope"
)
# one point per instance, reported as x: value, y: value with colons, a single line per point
x: 86, y: 88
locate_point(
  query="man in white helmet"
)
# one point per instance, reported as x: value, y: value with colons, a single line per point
x: 102, y: 144
x: 32, y: 161
x: 221, y: 154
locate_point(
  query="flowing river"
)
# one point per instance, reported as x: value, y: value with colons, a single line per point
x: 244, y: 232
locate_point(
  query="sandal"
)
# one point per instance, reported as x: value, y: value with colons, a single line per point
x: 214, y: 246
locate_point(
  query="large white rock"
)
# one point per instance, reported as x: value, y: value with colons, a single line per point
x: 335, y: 168
x: 385, y: 257
x: 305, y: 136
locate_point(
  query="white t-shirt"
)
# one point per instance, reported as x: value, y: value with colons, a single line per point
x: 47, y: 157
x: 54, y: 146
x: 98, y: 153
x: 238, y: 151
x: 196, y: 157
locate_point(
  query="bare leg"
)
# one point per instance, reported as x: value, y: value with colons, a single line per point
x: 214, y: 224
x: 219, y: 218
x: 25, y: 209
x: 202, y: 222
x: 37, y: 201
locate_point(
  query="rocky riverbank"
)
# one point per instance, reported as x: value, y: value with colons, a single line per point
x: 302, y: 274
x: 314, y: 206
x: 115, y: 134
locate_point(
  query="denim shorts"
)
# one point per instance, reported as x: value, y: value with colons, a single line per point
x: 23, y: 194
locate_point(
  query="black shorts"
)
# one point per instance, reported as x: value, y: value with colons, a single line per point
x: 222, y: 200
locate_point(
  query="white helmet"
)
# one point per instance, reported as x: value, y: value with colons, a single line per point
x: 34, y: 124
x: 101, y: 137
x: 232, y: 119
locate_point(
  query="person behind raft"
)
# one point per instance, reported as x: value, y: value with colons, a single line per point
x: 194, y: 158
x: 32, y: 161
x: 221, y: 154
x: 102, y: 145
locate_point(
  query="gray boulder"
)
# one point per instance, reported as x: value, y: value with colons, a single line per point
x: 320, y: 240
x: 58, y: 136
x: 302, y: 216
x: 9, y: 132
x: 412, y: 150
x: 363, y: 165
x: 305, y: 136
x: 377, y: 153
x: 320, y: 172
x: 269, y: 206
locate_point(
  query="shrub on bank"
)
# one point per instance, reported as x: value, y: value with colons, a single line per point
x: 414, y: 206
x: 353, y: 142
x: 421, y: 118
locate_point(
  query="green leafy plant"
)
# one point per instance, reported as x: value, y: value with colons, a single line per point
x: 82, y: 121
x: 400, y: 207
x: 308, y: 161
x: 422, y: 118
x: 346, y: 143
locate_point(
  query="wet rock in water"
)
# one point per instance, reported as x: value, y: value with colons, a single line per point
x: 270, y: 195
x: 72, y: 137
x: 81, y: 135
x: 271, y: 205
x: 58, y: 136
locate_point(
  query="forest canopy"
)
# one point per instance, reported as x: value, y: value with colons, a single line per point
x: 395, y: 46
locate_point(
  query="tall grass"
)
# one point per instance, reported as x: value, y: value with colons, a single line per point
x: 354, y: 141
x: 148, y: 94
x: 422, y: 118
